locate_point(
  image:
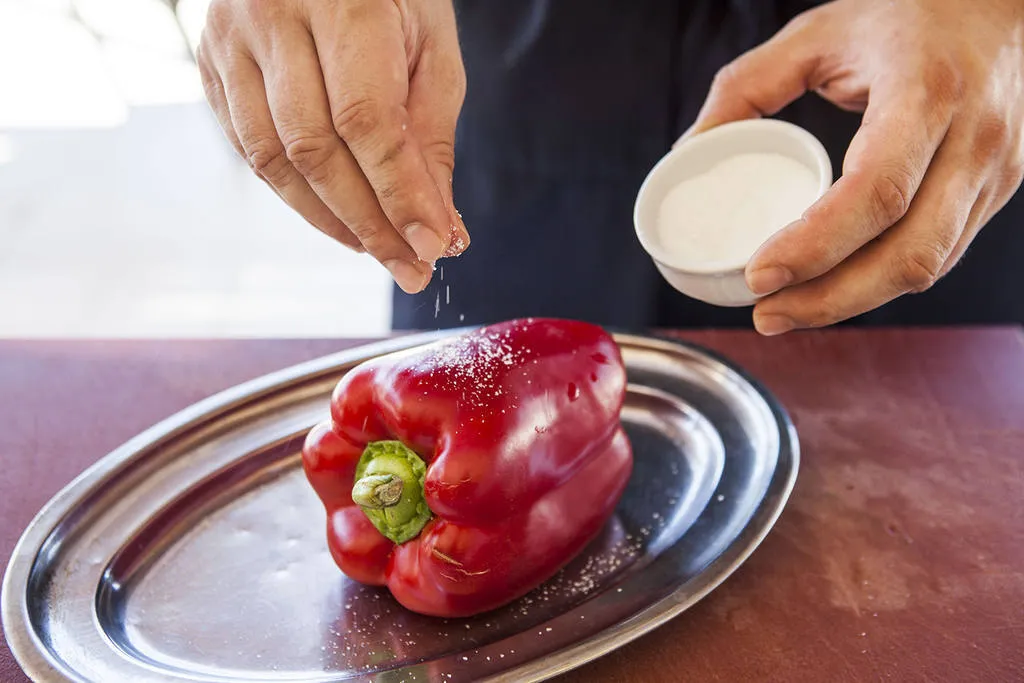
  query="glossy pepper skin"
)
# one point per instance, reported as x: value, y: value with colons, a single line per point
x: 511, y: 457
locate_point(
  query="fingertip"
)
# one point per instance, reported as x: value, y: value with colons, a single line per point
x: 767, y: 280
x: 772, y: 324
x: 412, y: 279
x: 459, y: 239
x: 458, y: 243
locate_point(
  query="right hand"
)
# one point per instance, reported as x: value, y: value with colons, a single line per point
x: 347, y: 110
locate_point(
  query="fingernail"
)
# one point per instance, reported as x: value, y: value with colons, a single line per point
x: 424, y: 242
x: 406, y: 275
x: 767, y: 280
x: 458, y: 239
x: 773, y: 325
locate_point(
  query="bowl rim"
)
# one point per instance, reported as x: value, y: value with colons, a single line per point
x: 771, y: 126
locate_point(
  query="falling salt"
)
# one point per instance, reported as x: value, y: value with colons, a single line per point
x: 447, y: 294
x: 719, y: 497
x: 437, y: 305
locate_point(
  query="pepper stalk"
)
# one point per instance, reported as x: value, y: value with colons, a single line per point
x: 389, y: 489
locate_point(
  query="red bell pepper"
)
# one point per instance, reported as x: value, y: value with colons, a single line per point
x: 464, y: 474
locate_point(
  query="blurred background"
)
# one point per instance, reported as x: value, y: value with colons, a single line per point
x: 123, y: 210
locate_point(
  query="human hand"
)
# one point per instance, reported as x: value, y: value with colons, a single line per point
x: 347, y: 110
x: 939, y: 151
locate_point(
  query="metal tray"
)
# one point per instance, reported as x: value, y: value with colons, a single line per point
x: 196, y: 550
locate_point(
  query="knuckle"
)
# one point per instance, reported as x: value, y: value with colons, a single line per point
x: 1015, y: 159
x: 727, y: 75
x: 202, y: 61
x: 992, y: 136
x: 212, y: 88
x: 450, y: 77
x: 943, y: 82
x: 917, y: 269
x: 357, y: 11
x: 366, y: 232
x: 890, y: 195
x: 261, y: 9
x: 460, y: 84
x: 372, y: 237
x: 441, y: 152
x: 266, y: 156
x: 358, y: 118
x: 392, y: 150
x: 803, y: 23
x: 824, y: 312
x: 388, y: 191
x: 218, y: 15
x: 310, y: 156
x: 1011, y: 178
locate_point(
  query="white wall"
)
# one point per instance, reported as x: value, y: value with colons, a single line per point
x: 123, y: 212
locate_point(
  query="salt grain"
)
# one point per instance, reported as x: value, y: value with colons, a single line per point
x: 469, y: 365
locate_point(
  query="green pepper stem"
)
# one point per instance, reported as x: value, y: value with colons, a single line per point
x: 378, y: 491
x: 389, y: 488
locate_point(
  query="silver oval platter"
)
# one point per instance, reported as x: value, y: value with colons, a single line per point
x: 196, y: 551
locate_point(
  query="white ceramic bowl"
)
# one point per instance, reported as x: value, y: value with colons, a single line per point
x: 718, y: 284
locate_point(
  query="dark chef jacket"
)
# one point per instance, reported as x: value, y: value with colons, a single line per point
x: 569, y: 105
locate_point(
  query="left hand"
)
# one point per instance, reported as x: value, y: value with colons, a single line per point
x: 939, y: 151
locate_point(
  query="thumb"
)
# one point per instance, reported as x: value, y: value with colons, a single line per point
x: 436, y: 92
x: 764, y: 80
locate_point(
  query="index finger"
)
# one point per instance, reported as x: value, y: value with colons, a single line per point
x: 763, y: 80
x: 362, y: 51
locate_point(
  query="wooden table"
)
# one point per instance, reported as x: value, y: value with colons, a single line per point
x: 899, y: 557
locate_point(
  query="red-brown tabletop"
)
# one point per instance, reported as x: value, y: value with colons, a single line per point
x: 899, y: 557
